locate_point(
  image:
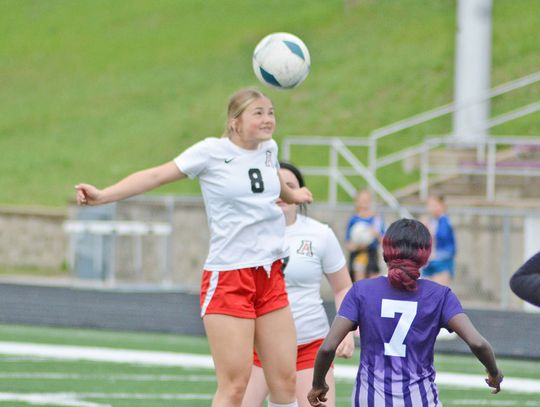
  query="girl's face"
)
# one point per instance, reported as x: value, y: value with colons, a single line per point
x: 291, y: 181
x: 435, y: 207
x: 363, y: 201
x: 256, y: 123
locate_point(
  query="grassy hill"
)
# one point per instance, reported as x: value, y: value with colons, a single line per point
x: 92, y: 90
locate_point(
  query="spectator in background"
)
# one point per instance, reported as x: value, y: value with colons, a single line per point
x: 364, y: 257
x: 441, y: 264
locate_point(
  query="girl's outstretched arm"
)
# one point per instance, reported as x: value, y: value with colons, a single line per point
x: 482, y: 349
x: 134, y: 184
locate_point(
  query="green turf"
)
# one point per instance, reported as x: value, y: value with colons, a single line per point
x: 93, y: 90
x: 126, y: 385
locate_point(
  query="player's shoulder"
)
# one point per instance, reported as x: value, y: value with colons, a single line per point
x: 313, y: 223
x: 430, y: 284
x: 431, y: 288
x: 216, y: 142
x: 444, y: 219
x: 314, y: 226
x: 370, y: 285
x: 209, y: 144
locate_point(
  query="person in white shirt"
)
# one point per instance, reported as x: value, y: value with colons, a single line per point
x: 243, y: 297
x: 314, y: 252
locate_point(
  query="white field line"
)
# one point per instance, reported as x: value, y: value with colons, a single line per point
x: 45, y: 399
x: 497, y: 403
x: 105, y: 377
x: 74, y: 399
x: 341, y: 372
x: 146, y: 396
x: 107, y: 355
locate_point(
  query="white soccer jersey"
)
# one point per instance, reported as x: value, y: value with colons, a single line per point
x: 314, y: 250
x: 240, y: 188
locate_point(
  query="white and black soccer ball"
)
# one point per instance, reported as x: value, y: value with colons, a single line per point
x: 361, y: 234
x: 281, y: 60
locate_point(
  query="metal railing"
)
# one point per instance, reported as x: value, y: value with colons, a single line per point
x: 336, y: 174
x: 487, y: 167
x: 338, y: 147
x: 374, y: 162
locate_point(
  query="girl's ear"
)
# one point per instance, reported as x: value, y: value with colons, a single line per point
x: 233, y: 125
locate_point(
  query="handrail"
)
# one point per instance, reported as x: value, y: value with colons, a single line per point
x: 375, y: 163
x: 318, y: 141
x: 514, y: 114
x: 489, y: 170
x: 336, y: 175
x: 370, y: 178
x: 400, y: 155
x: 451, y: 107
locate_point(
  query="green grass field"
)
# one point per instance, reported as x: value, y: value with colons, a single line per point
x: 100, y: 384
x: 93, y: 90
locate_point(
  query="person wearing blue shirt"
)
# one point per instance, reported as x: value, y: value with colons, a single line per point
x: 441, y: 267
x: 364, y: 259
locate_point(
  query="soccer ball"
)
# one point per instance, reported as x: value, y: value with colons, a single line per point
x: 362, y: 234
x: 281, y: 60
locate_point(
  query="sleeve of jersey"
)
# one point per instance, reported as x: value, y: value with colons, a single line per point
x: 451, y: 307
x: 350, y: 306
x: 194, y: 159
x: 333, y: 259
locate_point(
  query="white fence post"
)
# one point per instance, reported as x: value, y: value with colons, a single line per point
x: 490, y: 176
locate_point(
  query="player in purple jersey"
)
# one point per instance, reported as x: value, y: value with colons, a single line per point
x: 399, y: 318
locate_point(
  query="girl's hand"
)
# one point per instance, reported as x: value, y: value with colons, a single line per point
x: 317, y: 396
x: 303, y: 195
x: 495, y: 382
x: 87, y: 194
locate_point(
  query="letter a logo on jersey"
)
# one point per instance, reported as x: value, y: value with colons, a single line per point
x: 305, y: 248
x: 269, y: 158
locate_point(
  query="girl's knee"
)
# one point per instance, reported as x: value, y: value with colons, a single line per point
x: 233, y: 391
x: 284, y: 384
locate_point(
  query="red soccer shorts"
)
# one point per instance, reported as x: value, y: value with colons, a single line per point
x: 305, y: 356
x: 244, y: 293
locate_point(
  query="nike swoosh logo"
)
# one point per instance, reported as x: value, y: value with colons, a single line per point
x: 229, y: 160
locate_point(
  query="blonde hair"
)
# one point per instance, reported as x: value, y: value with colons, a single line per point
x: 238, y: 102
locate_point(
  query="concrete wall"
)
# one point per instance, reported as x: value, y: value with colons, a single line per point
x: 36, y: 239
x: 32, y: 238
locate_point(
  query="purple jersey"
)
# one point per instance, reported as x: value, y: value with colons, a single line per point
x: 397, y: 333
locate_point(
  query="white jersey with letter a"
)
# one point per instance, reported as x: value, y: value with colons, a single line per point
x: 314, y: 251
x: 240, y: 188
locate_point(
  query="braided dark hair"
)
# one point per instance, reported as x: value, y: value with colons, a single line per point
x: 406, y: 248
